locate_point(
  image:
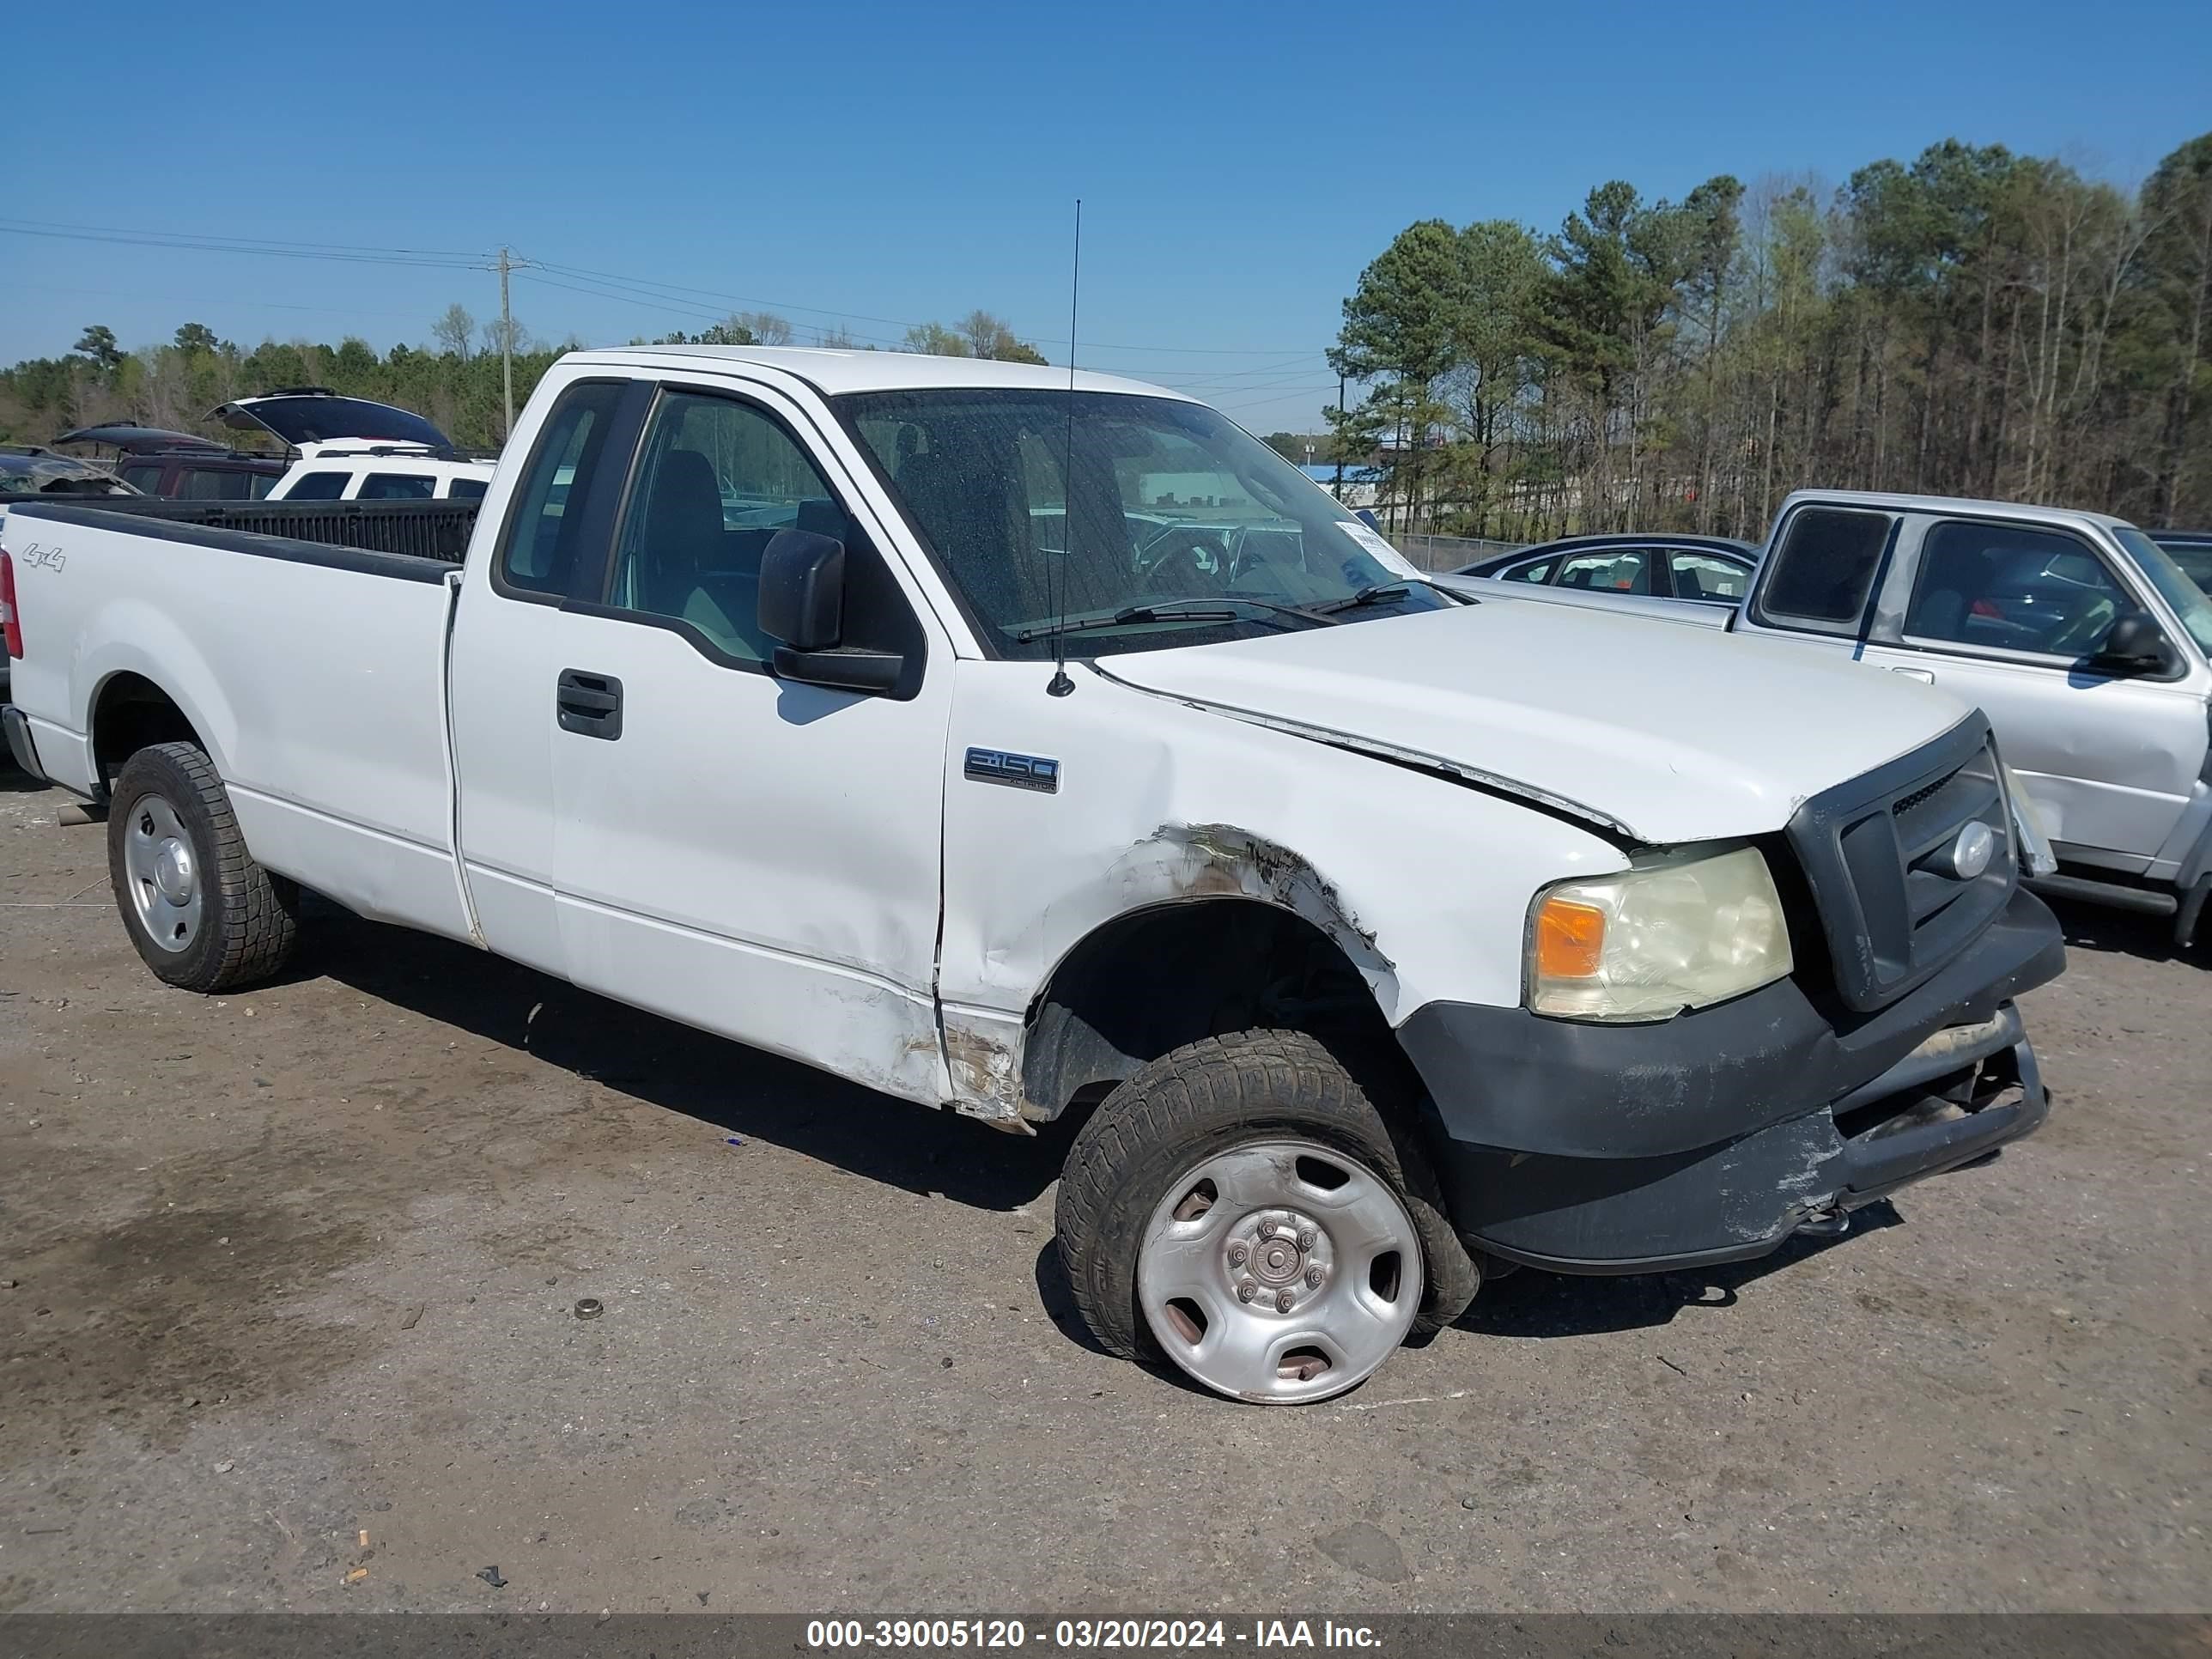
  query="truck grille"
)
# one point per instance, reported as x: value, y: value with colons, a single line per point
x: 1878, y: 854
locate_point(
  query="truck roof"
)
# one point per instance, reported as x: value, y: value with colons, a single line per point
x: 832, y: 372
x: 1895, y: 502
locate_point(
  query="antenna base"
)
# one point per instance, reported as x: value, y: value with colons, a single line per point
x: 1060, y: 685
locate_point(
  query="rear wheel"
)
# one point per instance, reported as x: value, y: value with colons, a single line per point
x: 1241, y: 1208
x: 201, y: 913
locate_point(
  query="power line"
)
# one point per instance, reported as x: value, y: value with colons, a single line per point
x: 604, y: 285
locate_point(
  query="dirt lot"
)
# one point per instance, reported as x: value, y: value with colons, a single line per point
x: 285, y: 1267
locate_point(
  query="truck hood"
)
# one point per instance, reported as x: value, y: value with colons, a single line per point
x: 1660, y: 734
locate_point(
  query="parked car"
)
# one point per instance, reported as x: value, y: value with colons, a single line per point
x: 344, y: 470
x: 2192, y: 550
x: 2086, y: 643
x: 180, y: 466
x: 889, y: 789
x: 1706, y: 568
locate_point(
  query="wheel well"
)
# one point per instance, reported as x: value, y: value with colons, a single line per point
x: 1170, y: 974
x: 131, y: 713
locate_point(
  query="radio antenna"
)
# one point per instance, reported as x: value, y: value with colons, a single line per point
x: 1061, y: 685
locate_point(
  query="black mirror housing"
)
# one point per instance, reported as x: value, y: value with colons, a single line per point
x: 2134, y: 645
x: 802, y: 603
x: 802, y: 590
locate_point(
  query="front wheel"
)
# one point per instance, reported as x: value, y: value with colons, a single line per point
x: 1241, y: 1208
x: 203, y: 913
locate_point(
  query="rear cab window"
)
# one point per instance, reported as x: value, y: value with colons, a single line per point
x: 1822, y: 573
x: 325, y: 486
x: 466, y: 489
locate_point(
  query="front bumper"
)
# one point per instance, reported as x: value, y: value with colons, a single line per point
x: 1715, y: 1135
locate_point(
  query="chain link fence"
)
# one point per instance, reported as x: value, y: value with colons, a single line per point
x: 1449, y: 552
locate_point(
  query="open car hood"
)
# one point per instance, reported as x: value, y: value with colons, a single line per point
x: 1659, y: 735
x: 306, y: 417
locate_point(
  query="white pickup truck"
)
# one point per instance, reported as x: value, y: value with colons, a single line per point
x: 1392, y: 938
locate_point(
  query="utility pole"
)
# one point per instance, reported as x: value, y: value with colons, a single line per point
x: 506, y: 345
x: 1339, y: 440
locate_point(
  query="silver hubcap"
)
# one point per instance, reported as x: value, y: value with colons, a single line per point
x: 164, y: 879
x: 1281, y: 1272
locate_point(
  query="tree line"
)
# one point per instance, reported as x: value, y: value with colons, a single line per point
x: 1970, y: 323
x: 456, y: 381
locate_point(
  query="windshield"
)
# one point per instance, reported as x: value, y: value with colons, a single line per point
x: 1174, y: 507
x: 2173, y: 585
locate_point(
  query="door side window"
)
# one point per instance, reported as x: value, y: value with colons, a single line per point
x: 1703, y: 576
x: 396, y: 487
x: 1613, y: 569
x: 324, y: 486
x: 715, y: 480
x: 207, y: 483
x: 147, y: 477
x: 466, y: 489
x: 1994, y: 587
x: 543, y: 538
x: 1540, y: 571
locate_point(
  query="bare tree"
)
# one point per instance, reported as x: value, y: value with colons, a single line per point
x: 454, y: 330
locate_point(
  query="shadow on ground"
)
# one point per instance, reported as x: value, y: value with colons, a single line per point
x: 2126, y: 933
x: 1539, y: 1304
x: 740, y: 1091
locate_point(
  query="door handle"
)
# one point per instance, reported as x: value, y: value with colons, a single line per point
x: 590, y: 705
x: 1925, y: 676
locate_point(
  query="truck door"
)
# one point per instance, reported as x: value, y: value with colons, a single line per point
x: 754, y: 856
x: 508, y: 653
x: 2010, y: 617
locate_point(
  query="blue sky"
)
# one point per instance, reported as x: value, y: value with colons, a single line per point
x: 879, y: 164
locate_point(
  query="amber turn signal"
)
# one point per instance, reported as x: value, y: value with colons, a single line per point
x: 1570, y: 938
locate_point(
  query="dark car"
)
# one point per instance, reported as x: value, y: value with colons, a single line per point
x: 34, y: 469
x: 1714, y: 568
x: 2192, y: 550
x: 178, y: 465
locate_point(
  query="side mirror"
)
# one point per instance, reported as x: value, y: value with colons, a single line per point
x: 2133, y: 645
x: 802, y: 603
x: 802, y: 590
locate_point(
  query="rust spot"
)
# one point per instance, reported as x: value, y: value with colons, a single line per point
x: 1220, y: 858
x: 986, y: 1077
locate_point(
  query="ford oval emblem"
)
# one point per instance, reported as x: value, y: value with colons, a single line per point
x: 1971, y: 852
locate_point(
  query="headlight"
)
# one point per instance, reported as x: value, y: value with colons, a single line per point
x: 1646, y: 944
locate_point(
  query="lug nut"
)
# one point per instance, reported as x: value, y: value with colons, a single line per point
x: 1238, y: 1256
x: 1305, y: 1238
x: 1313, y: 1278
x: 1266, y: 1227
x: 1283, y: 1300
x: 1247, y: 1290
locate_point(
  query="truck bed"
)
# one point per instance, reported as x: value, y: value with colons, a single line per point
x: 425, y: 529
x: 312, y: 670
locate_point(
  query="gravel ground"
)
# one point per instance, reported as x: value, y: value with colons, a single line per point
x: 289, y: 1270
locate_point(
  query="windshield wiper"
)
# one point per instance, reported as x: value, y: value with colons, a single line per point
x: 1377, y: 593
x: 1229, y: 608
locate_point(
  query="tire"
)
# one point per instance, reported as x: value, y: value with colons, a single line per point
x: 203, y: 913
x: 1262, y: 1121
